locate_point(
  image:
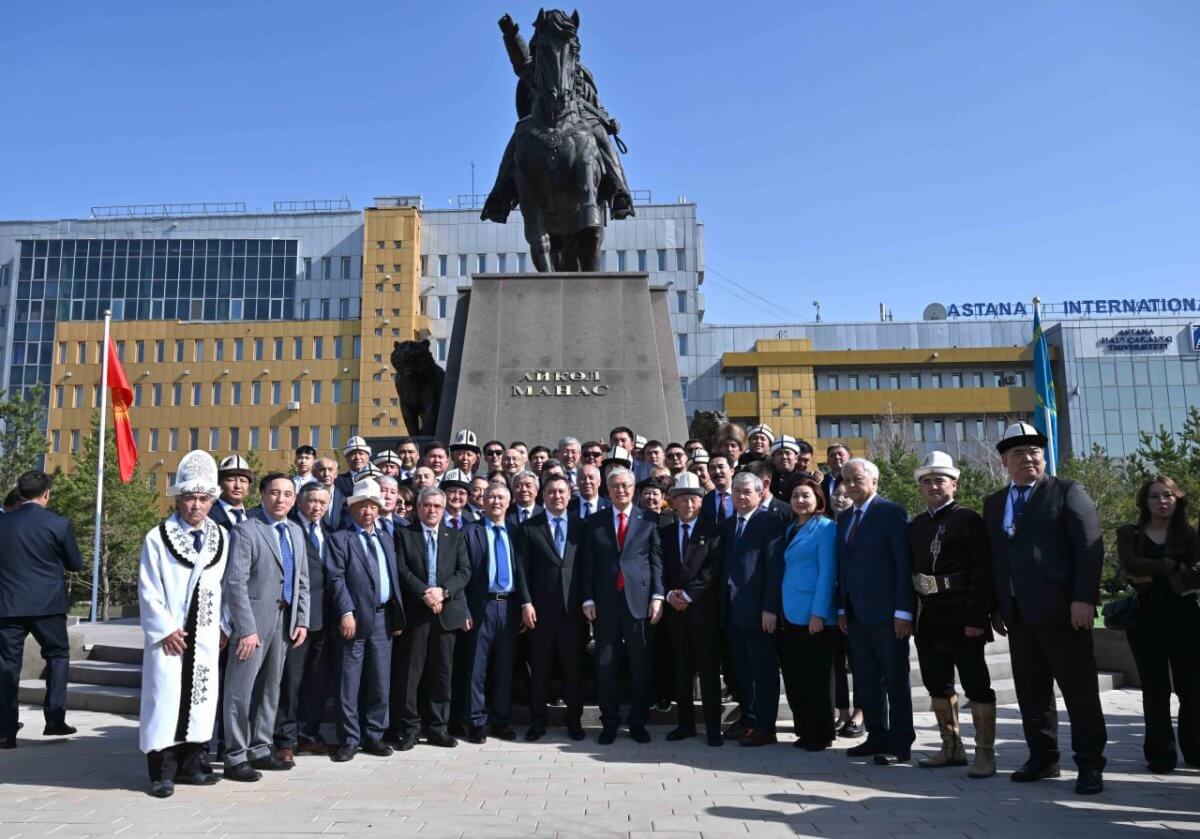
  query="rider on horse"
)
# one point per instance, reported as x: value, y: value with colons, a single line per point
x: 613, y: 188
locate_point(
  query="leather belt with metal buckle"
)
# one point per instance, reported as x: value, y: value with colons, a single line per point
x: 928, y: 584
x: 499, y: 595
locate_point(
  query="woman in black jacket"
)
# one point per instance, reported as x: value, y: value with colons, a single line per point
x: 1159, y: 556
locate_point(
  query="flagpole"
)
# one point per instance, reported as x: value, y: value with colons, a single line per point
x: 100, y: 466
x: 1051, y: 438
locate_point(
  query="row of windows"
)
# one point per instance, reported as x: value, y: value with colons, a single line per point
x: 438, y: 265
x: 918, y: 380
x: 151, y: 267
x: 217, y: 393
x: 232, y: 349
x: 215, y: 439
x: 83, y: 248
x: 350, y: 268
x: 924, y: 430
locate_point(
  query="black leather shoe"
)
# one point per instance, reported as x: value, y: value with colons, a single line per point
x: 534, y: 734
x: 504, y: 732
x: 242, y: 772
x: 850, y: 728
x: 377, y: 748
x: 575, y: 731
x: 344, y: 754
x: 477, y: 735
x: 1036, y: 769
x: 271, y: 763
x: 1160, y: 768
x: 442, y: 740
x: 892, y: 758
x: 639, y: 735
x: 1089, y: 782
x: 405, y: 743
x: 715, y: 740
x: 58, y: 729
x: 865, y: 749
x: 607, y: 737
x: 200, y: 779
x: 162, y: 789
x: 457, y: 729
x: 680, y: 733
x: 9, y: 742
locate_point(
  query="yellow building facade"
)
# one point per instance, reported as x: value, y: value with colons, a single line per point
x: 826, y: 396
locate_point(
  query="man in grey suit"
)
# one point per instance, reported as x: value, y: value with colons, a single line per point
x: 266, y: 609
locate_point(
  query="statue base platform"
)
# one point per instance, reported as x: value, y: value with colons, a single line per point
x: 540, y: 356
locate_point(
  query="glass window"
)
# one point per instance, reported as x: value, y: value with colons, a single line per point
x: 326, y: 268
x: 298, y: 348
x: 680, y: 259
x: 831, y: 383
x: 662, y: 259
x: 278, y: 356
x: 235, y: 393
x: 977, y: 380
x: 855, y: 428
x: 998, y: 378
x: 481, y: 262
x: 730, y: 384
x: 641, y: 260
x: 337, y: 391
x: 173, y: 437
x: 314, y: 436
x: 441, y: 349
x: 835, y: 428
x: 620, y: 260
x: 177, y: 394
x: 683, y: 343
x: 274, y: 437
x: 295, y: 391
x: 441, y: 306
x: 294, y: 437
x: 774, y: 394
x: 462, y: 265
x: 256, y: 393
x: 316, y: 393
x: 852, y: 382
x: 216, y: 393
x: 276, y: 392
x: 318, y: 347
x: 935, y: 380
x: 238, y: 349
x: 199, y: 350
x: 979, y: 431
x: 156, y: 395
x: 681, y: 301
x: 235, y: 439
x: 179, y: 352
x: 153, y: 439
x: 254, y: 437
x: 214, y: 439
x: 873, y: 381
x: 195, y: 393
x: 346, y: 268
x: 939, y: 432
x: 683, y: 380
x: 914, y: 381
x: 894, y: 381
x: 960, y: 432
x: 956, y: 380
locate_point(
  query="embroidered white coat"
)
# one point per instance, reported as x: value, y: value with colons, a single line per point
x: 178, y: 706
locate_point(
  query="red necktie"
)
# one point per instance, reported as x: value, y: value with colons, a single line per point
x: 622, y: 528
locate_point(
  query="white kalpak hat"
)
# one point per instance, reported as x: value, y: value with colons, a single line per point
x: 466, y: 439
x: 1020, y: 434
x: 937, y: 463
x: 366, y: 490
x: 686, y: 483
x: 196, y: 473
x: 786, y: 441
x: 386, y: 456
x: 764, y: 430
x: 355, y: 444
x: 698, y: 456
x: 368, y: 471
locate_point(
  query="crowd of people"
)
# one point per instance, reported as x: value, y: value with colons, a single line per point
x: 412, y: 590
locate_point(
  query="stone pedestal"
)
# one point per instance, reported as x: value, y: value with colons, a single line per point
x: 540, y: 356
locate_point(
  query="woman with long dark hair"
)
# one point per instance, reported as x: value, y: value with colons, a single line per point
x: 1159, y: 556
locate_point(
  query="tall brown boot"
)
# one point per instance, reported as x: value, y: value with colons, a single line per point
x: 952, y: 753
x: 984, y: 717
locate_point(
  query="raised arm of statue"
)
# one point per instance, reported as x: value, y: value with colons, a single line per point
x: 515, y: 46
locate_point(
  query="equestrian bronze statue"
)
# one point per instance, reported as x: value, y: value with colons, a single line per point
x: 559, y: 166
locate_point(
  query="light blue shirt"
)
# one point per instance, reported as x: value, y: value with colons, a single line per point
x: 1008, y: 504
x: 493, y: 535
x: 373, y: 548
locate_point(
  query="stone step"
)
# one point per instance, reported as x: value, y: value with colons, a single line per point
x: 112, y: 673
x: 109, y: 699
x: 115, y: 653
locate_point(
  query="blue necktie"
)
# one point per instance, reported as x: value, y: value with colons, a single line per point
x: 683, y: 542
x: 741, y: 528
x: 854, y: 526
x: 431, y: 551
x: 560, y: 538
x: 586, y: 509
x: 289, y: 561
x: 521, y: 514
x: 1018, y: 505
x: 722, y: 512
x: 385, y: 583
x: 501, y: 559
x: 240, y: 515
x: 312, y: 536
x: 198, y: 539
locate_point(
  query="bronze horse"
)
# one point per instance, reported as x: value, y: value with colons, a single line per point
x: 556, y: 156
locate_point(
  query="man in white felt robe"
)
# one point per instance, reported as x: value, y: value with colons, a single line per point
x: 179, y: 590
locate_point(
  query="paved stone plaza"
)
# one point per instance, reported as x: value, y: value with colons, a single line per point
x: 95, y: 784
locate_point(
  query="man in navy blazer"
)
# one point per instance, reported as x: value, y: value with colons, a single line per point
x: 589, y: 500
x: 365, y: 595
x: 875, y: 609
x: 623, y: 594
x: 38, y: 547
x: 752, y: 547
x: 498, y: 600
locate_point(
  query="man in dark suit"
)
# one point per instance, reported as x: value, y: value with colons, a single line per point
x: 336, y: 514
x: 552, y: 542
x: 498, y: 599
x: 307, y: 671
x: 235, y: 478
x: 835, y: 458
x: 622, y: 592
x: 525, y: 486
x: 38, y: 546
x: 877, y: 604
x: 589, y: 500
x: 692, y: 577
x: 752, y: 549
x: 718, y: 503
x: 769, y: 504
x: 358, y: 457
x: 1047, y: 554
x: 365, y: 595
x: 434, y: 571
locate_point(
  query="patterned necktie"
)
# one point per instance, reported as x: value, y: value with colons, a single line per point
x: 431, y: 558
x: 289, y: 561
x: 560, y: 538
x: 501, y: 559
x: 198, y: 540
x: 622, y: 529
x: 858, y: 514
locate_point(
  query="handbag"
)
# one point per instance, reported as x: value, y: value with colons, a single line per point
x: 1120, y: 613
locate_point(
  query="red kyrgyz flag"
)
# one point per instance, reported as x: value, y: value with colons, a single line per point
x: 122, y: 398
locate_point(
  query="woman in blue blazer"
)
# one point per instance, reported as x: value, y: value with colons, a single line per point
x: 809, y: 618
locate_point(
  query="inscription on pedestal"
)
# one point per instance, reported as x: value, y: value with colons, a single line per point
x: 560, y: 383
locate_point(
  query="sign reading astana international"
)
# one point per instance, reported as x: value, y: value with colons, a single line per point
x: 1136, y: 306
x: 559, y: 383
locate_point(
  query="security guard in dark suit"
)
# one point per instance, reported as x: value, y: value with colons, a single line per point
x: 1047, y: 554
x: 38, y: 546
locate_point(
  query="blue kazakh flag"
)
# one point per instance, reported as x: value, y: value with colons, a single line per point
x: 1045, y: 411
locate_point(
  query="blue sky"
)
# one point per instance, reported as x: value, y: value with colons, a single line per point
x: 850, y: 152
